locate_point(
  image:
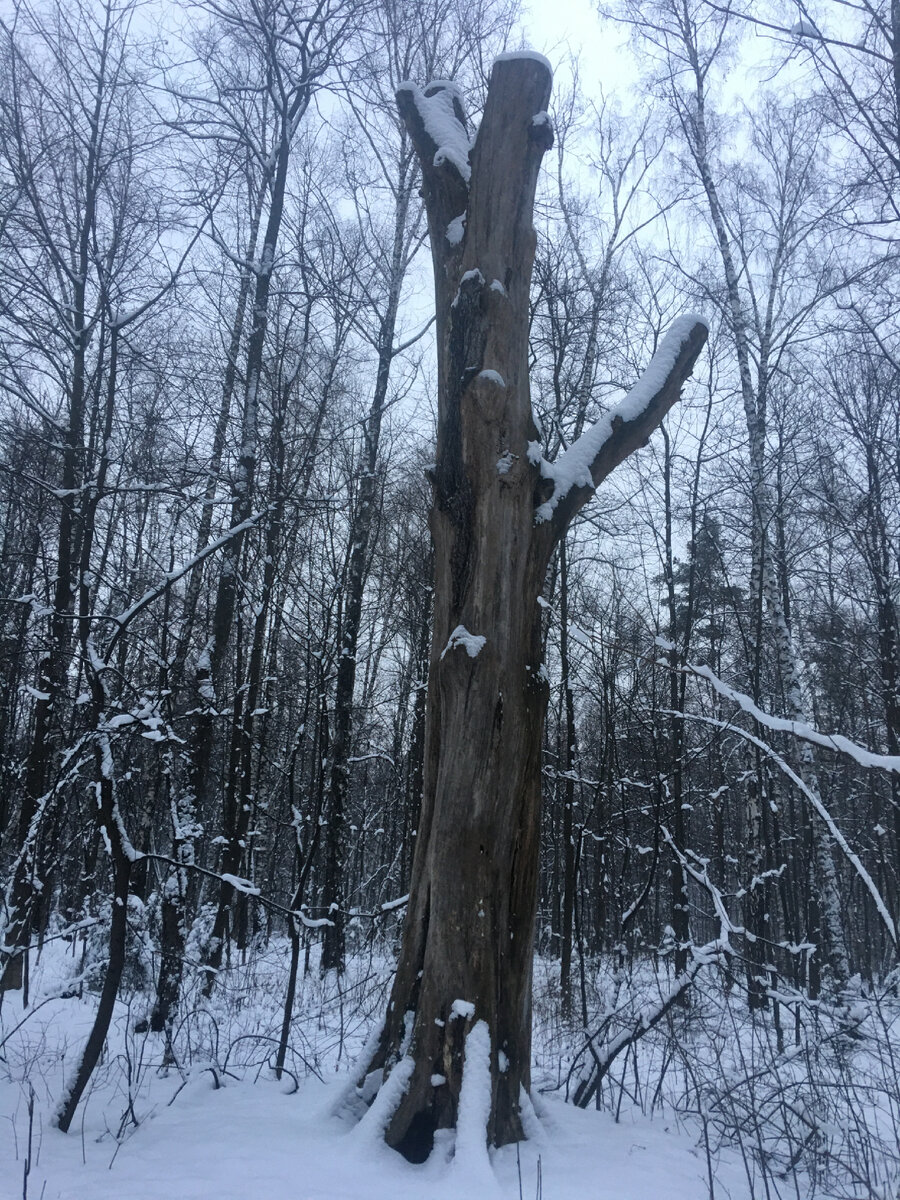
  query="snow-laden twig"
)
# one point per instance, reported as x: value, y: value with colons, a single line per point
x: 382, y: 910
x: 817, y: 805
x: 239, y: 884
x: 829, y: 741
x: 726, y: 926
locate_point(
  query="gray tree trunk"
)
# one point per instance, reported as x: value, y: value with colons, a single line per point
x: 497, y: 514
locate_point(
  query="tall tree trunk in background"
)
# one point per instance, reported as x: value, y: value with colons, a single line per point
x: 213, y: 478
x: 210, y: 673
x: 183, y: 804
x: 239, y: 784
x: 680, y: 831
x: 692, y: 114
x: 461, y: 999
x: 415, y: 762
x: 357, y: 573
x: 878, y: 556
x: 112, y: 830
x: 567, y: 765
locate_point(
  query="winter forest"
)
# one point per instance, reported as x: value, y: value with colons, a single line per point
x: 449, y: 584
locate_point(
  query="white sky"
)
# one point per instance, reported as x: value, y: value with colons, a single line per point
x: 558, y: 28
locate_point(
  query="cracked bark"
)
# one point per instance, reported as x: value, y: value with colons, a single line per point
x: 470, y: 919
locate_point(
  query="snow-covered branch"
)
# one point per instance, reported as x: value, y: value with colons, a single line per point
x: 820, y: 809
x: 436, y: 121
x: 609, y: 441
x: 124, y: 618
x: 829, y: 741
x: 440, y: 109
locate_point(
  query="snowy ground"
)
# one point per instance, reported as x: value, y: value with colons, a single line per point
x: 249, y: 1140
x: 222, y: 1127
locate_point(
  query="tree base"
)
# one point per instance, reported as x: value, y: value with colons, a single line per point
x: 12, y: 978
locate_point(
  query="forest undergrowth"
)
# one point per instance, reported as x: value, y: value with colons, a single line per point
x: 803, y: 1096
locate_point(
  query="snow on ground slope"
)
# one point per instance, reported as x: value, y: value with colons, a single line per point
x: 254, y: 1138
x: 250, y: 1140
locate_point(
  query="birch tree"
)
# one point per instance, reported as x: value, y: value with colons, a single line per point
x: 764, y: 311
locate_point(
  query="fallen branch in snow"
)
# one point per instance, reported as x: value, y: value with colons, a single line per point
x: 647, y: 1018
x: 265, y: 1037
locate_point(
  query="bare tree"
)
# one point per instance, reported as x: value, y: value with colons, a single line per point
x: 461, y: 996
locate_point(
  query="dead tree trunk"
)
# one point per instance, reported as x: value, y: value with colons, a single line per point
x: 498, y: 511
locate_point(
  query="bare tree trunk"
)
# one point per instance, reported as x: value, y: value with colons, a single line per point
x: 357, y: 573
x: 680, y: 833
x: 210, y: 674
x: 567, y: 763
x: 466, y: 957
x: 113, y: 832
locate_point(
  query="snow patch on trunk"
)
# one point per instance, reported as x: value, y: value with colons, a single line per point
x: 472, y: 642
x: 492, y: 377
x: 374, y: 1124
x: 475, y: 1107
x: 456, y: 229
x: 462, y: 1008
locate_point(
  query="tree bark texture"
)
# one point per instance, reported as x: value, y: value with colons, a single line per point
x: 467, y: 948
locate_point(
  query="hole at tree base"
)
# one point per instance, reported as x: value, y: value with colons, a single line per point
x: 418, y: 1141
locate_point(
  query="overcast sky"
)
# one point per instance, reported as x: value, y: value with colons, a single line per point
x: 559, y: 27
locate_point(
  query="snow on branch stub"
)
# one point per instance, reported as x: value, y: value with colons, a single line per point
x: 570, y: 481
x: 436, y: 120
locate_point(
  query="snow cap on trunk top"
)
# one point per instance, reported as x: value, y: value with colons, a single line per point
x: 510, y: 55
